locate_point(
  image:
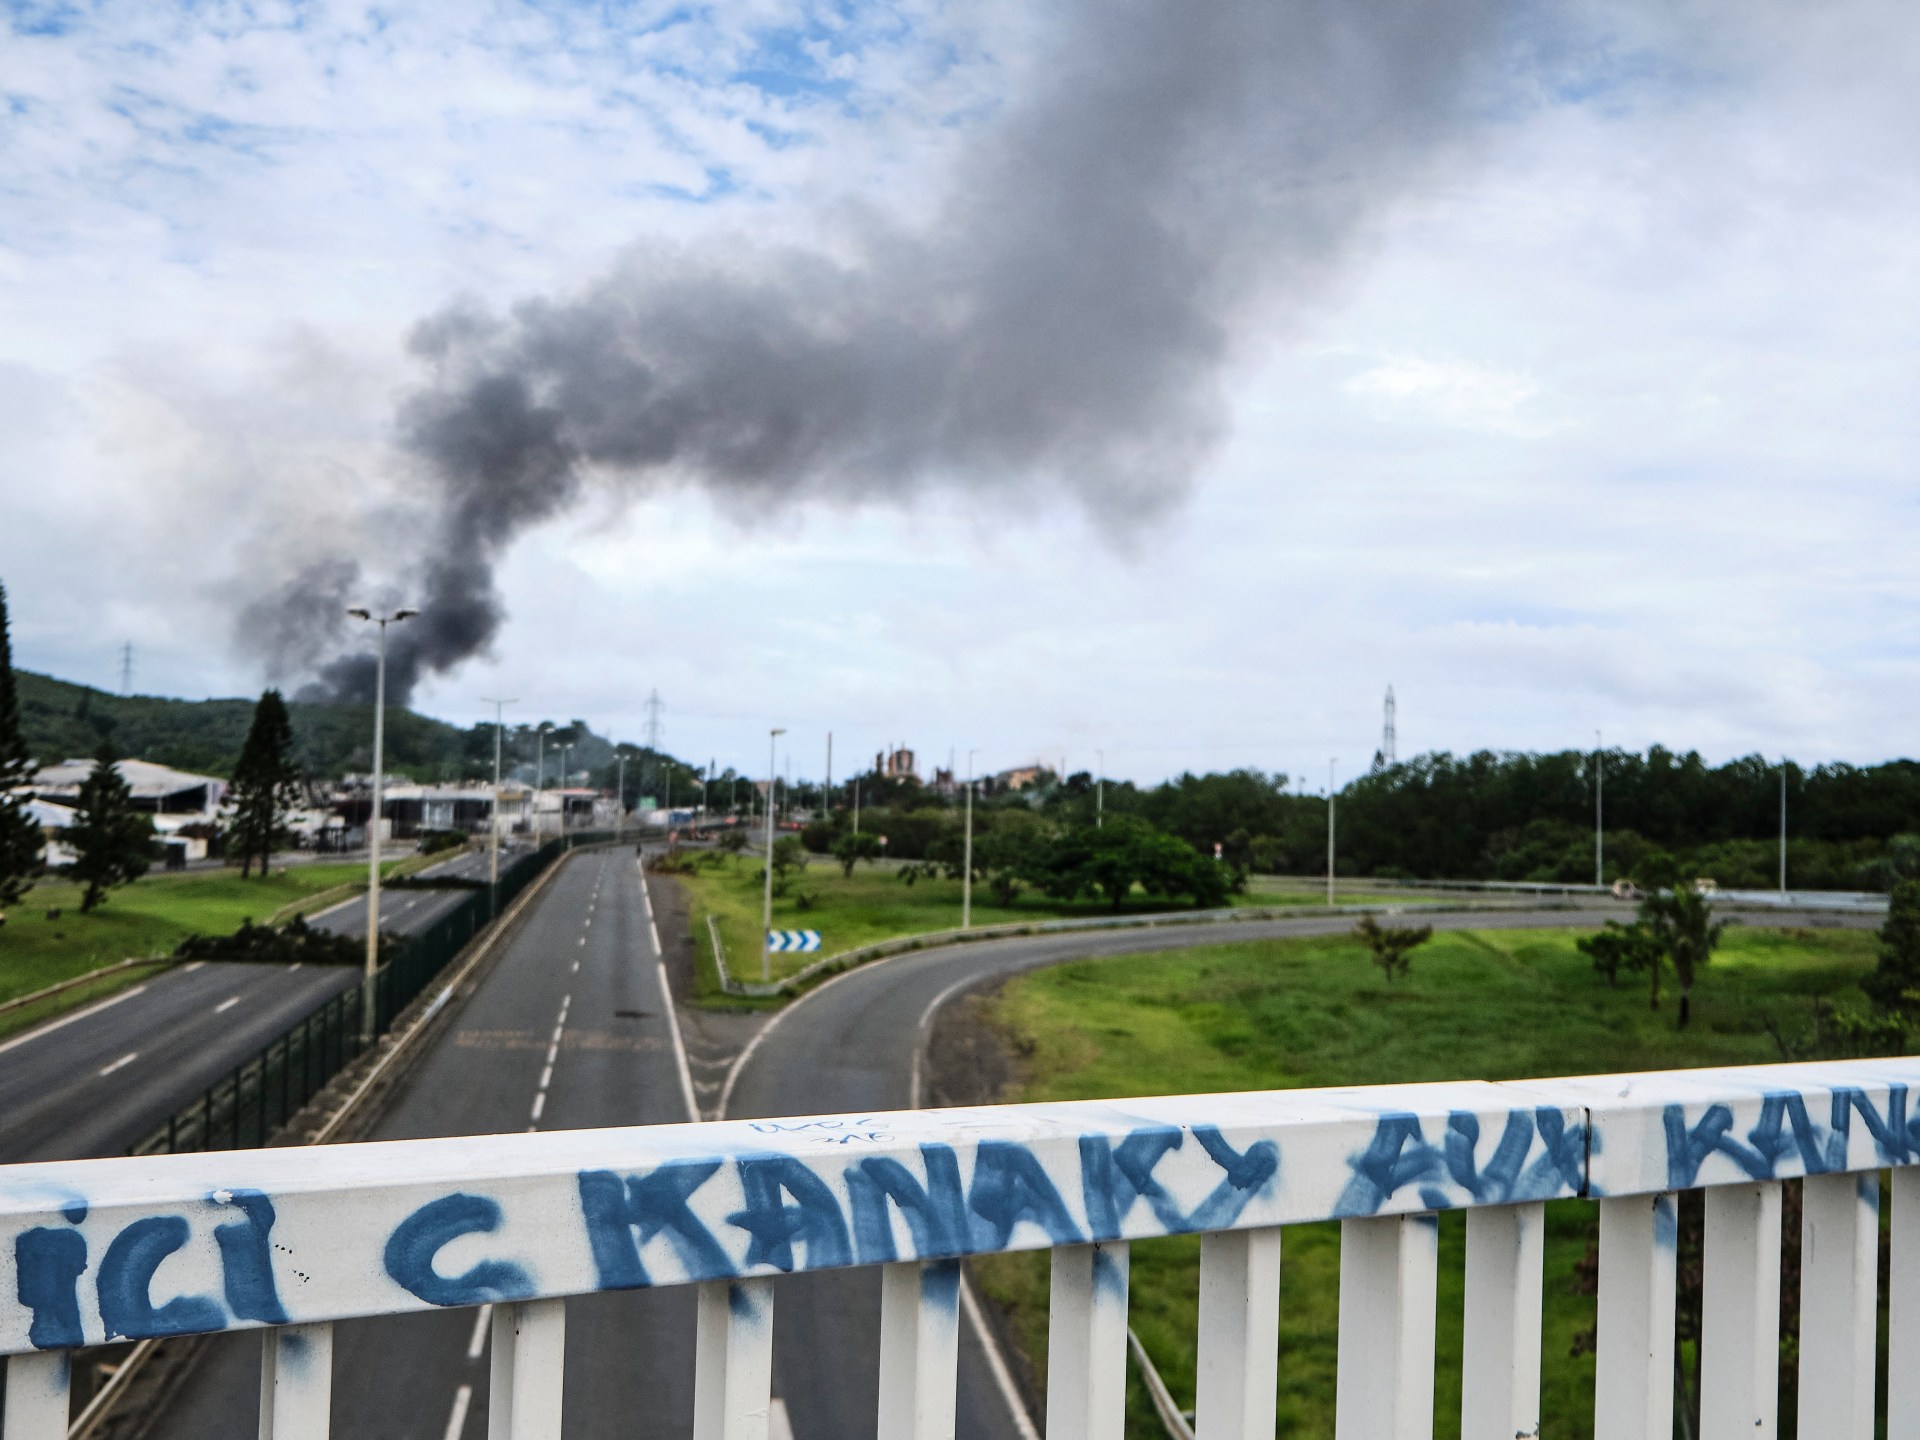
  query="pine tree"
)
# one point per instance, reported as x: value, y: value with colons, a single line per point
x: 1894, y: 985
x: 112, y: 840
x: 20, y: 845
x: 266, y: 783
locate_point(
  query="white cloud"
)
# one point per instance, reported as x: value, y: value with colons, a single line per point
x: 1614, y: 428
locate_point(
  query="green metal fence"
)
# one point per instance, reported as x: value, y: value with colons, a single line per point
x: 249, y: 1106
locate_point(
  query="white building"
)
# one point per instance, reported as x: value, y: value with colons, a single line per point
x: 179, y: 802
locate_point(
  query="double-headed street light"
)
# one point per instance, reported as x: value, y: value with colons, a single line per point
x: 373, y: 818
x: 766, y: 909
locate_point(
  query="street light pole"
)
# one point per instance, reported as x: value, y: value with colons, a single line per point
x: 539, y: 774
x: 766, y: 909
x: 1599, y: 789
x: 1330, y: 765
x: 620, y: 801
x: 374, y: 817
x: 1100, y: 791
x: 1783, y: 828
x: 564, y: 750
x: 493, y: 863
x: 966, y: 860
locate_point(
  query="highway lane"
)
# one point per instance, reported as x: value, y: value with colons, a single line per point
x: 103, y: 1078
x: 853, y: 1045
x: 570, y: 1028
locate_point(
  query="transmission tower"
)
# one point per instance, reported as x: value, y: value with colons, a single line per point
x: 653, y: 722
x: 126, y: 668
x: 1384, y: 758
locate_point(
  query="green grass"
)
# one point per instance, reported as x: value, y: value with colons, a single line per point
x: 873, y: 904
x: 147, y: 918
x: 1479, y: 1005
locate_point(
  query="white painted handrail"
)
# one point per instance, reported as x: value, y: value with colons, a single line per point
x: 296, y: 1239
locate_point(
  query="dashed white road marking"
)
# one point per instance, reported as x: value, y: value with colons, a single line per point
x: 546, y: 1077
x: 478, y: 1343
x: 189, y: 969
x: 539, y: 1104
x: 226, y: 1005
x: 576, y: 967
x: 552, y: 1050
x: 65, y: 1020
x: 457, y: 1421
x: 124, y: 1060
x: 295, y: 966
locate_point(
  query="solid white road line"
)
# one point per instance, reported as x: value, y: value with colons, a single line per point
x: 457, y: 1421
x: 920, y: 1037
x: 996, y: 1362
x: 65, y: 1020
x: 655, y: 934
x: 481, y: 1319
x: 124, y: 1060
x: 679, y: 1045
x: 226, y: 1005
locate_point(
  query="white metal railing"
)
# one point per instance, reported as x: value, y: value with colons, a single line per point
x: 295, y: 1239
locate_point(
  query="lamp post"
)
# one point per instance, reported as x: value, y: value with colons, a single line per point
x: 1330, y: 764
x: 966, y: 858
x: 1599, y: 788
x: 1783, y: 828
x: 1100, y: 791
x: 766, y: 909
x: 493, y: 863
x: 564, y: 751
x: 373, y: 817
x: 539, y: 773
x: 620, y: 801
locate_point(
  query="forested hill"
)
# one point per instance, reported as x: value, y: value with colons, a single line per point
x: 63, y: 721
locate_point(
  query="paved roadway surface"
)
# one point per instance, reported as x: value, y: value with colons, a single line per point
x: 103, y: 1078
x: 572, y: 1027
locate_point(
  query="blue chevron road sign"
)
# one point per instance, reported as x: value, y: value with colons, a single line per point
x: 792, y: 942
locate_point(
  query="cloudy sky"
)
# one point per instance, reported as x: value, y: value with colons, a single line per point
x: 1558, y: 370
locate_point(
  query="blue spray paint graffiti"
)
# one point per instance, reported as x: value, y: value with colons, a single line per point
x: 1450, y: 1174
x: 421, y: 1236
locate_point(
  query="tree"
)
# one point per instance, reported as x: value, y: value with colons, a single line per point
x: 733, y: 841
x: 1392, y: 946
x: 112, y: 840
x: 266, y: 784
x: 1624, y: 947
x: 1111, y: 859
x: 20, y: 846
x: 1006, y: 854
x: 850, y: 849
x: 1894, y: 985
x: 1681, y: 922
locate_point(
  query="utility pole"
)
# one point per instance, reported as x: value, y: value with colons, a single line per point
x: 1330, y: 765
x: 1783, y: 828
x: 1599, y: 829
x: 620, y: 801
x: 373, y: 816
x: 493, y: 863
x: 766, y: 909
x: 966, y: 859
x: 826, y: 790
x: 1099, y: 791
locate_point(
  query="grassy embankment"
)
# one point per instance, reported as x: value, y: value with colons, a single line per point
x: 1488, y: 1005
x: 874, y: 903
x: 148, y: 919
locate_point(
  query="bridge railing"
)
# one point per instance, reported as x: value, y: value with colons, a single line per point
x: 296, y: 1239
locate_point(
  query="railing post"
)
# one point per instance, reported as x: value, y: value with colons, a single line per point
x: 528, y: 1373
x: 919, y: 1349
x: 1740, y: 1313
x: 1087, y: 1343
x: 1239, y: 1335
x: 37, y: 1396
x: 1388, y: 1294
x: 1903, y: 1305
x: 296, y: 1382
x: 733, y: 1368
x: 1839, y: 1284
x: 1500, y: 1363
x: 1633, y: 1373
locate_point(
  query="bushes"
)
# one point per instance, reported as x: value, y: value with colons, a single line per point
x: 295, y: 943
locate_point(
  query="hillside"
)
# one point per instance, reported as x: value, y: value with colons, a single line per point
x: 62, y: 720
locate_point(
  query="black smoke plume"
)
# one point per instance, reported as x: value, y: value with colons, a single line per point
x: 1183, y: 180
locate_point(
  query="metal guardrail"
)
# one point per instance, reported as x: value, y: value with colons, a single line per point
x: 294, y: 1239
x: 253, y: 1103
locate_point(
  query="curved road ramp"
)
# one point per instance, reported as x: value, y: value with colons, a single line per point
x: 509, y: 1230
